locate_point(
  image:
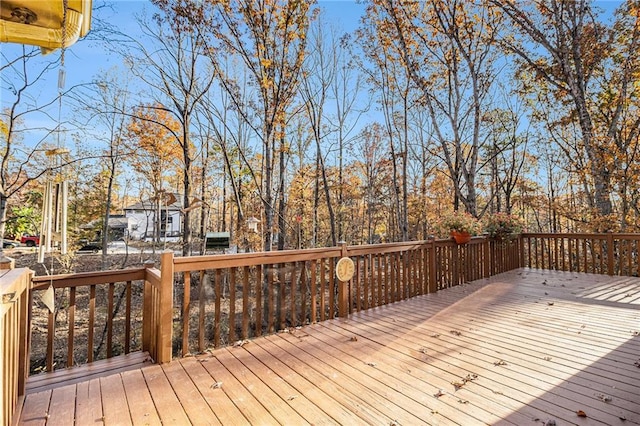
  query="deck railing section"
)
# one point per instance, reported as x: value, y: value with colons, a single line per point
x: 14, y: 311
x: 97, y: 315
x: 609, y: 254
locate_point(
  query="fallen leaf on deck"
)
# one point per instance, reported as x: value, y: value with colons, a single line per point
x: 216, y: 385
x: 462, y: 401
x: 371, y: 364
x: 457, y: 385
x: 292, y: 397
x: 623, y: 418
x: 439, y: 393
x: 500, y: 362
x: 470, y: 378
x: 547, y: 358
x: 455, y: 333
x: 581, y: 413
x: 353, y: 339
x: 436, y: 335
x: 550, y: 303
x: 241, y: 343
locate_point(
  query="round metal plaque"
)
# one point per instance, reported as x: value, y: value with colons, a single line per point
x: 345, y: 269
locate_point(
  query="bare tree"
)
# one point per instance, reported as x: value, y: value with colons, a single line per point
x: 170, y: 63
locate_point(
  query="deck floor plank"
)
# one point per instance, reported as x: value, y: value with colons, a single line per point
x: 300, y: 383
x: 277, y: 405
x: 165, y: 400
x: 46, y: 381
x: 88, y: 402
x: 250, y: 407
x: 391, y: 403
x: 325, y: 381
x: 36, y: 408
x: 218, y: 401
x: 269, y: 376
x: 114, y: 401
x: 195, y: 406
x: 543, y: 345
x: 62, y: 406
x: 139, y: 401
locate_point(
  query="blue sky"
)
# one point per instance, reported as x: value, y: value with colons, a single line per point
x: 86, y: 60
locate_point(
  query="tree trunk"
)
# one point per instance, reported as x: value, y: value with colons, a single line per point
x: 282, y: 231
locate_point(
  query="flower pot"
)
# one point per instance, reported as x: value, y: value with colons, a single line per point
x: 461, y: 237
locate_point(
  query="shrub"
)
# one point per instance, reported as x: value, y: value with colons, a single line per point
x: 502, y: 225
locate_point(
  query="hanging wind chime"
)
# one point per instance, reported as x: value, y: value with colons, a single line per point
x: 56, y: 190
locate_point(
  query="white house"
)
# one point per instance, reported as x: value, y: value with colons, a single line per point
x: 141, y: 218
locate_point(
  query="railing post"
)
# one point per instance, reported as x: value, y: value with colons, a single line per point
x: 6, y: 263
x: 147, y: 311
x: 610, y: 263
x: 165, y: 325
x: 433, y: 285
x: 520, y: 251
x: 25, y: 336
x: 486, y: 245
x: 343, y: 289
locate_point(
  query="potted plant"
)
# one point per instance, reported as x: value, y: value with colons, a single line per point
x: 461, y: 226
x: 502, y: 226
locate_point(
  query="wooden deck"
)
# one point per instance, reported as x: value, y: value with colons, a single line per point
x: 520, y: 348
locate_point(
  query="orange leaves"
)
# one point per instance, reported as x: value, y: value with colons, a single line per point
x: 155, y: 133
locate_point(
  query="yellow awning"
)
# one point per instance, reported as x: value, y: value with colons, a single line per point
x: 39, y: 23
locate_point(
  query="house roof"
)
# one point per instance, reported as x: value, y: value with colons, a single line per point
x: 149, y: 203
x: 115, y: 222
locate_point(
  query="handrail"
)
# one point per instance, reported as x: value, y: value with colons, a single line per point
x: 14, y: 324
x: 598, y: 253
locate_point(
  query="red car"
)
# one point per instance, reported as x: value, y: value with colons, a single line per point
x: 30, y: 240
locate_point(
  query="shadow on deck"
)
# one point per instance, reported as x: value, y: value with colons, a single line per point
x: 523, y: 347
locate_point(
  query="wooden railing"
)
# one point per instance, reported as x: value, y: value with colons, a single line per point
x: 226, y: 299
x: 14, y: 337
x: 97, y: 315
x: 610, y: 254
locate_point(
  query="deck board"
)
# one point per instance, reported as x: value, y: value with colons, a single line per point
x: 88, y: 402
x: 139, y: 401
x: 62, y: 405
x: 538, y: 346
x: 165, y: 400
